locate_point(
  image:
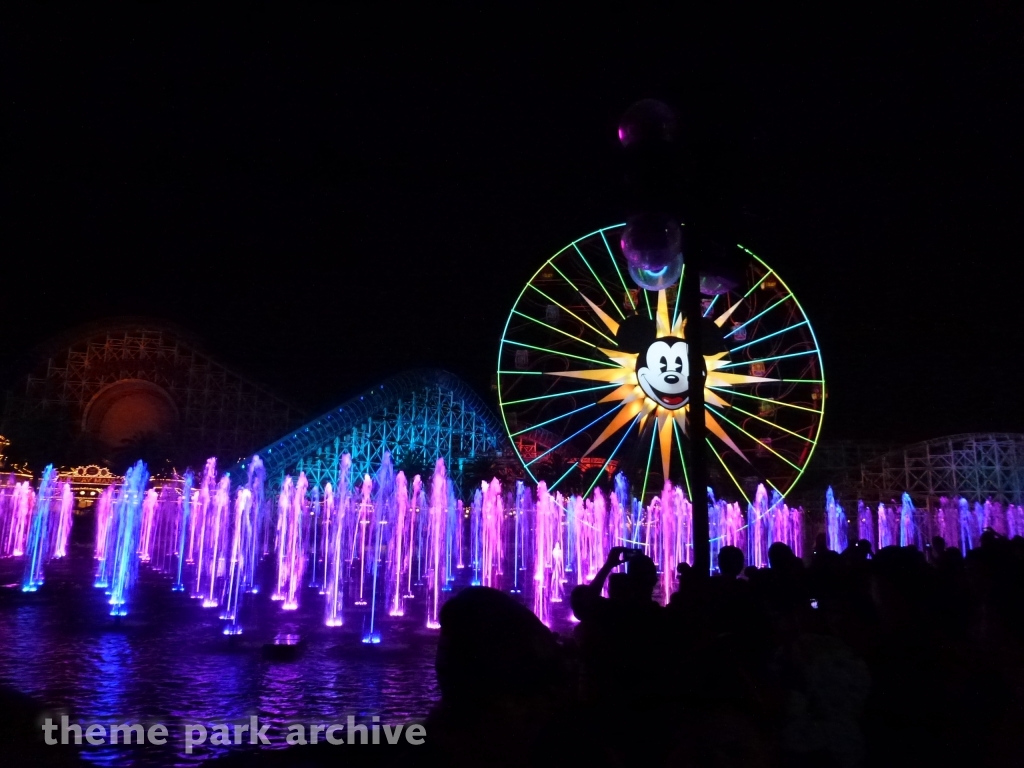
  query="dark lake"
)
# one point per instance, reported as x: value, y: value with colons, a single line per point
x: 169, y: 662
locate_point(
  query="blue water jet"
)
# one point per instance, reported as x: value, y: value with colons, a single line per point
x: 127, y: 522
x: 835, y: 518
x: 186, y: 514
x: 37, y: 549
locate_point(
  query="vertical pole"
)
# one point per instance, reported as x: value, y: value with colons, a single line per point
x: 697, y: 430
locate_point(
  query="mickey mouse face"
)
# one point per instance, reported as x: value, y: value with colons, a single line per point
x: 664, y: 378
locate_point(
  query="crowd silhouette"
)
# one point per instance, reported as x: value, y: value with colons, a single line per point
x: 860, y: 658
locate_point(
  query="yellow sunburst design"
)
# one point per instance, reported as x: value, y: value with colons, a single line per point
x: 635, y: 402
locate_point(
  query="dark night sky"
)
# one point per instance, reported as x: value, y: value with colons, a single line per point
x: 329, y: 197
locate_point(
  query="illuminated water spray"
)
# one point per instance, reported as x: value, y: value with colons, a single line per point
x: 65, y: 519
x: 865, y: 523
x: 523, y: 511
x: 397, y: 559
x: 126, y: 525
x: 675, y: 533
x: 835, y: 523
x: 261, y: 520
x: 384, y: 512
x: 104, y: 536
x: 727, y: 526
x: 910, y: 533
x: 758, y: 535
x: 37, y: 547
x: 203, y: 524
x: 436, y: 536
x: 547, y: 560
x: 363, y: 518
x: 216, y: 541
x: 238, y: 557
x: 18, y: 503
x: 293, y: 559
x: 148, y: 524
x: 184, y: 527
x: 417, y: 509
x: 336, y: 536
x: 1014, y: 521
x: 284, y: 506
x: 487, y: 534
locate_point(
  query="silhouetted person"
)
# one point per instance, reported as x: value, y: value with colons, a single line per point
x: 637, y: 587
x: 860, y: 551
x: 730, y: 561
x: 686, y: 578
x: 610, y: 627
x: 619, y: 586
x: 781, y: 557
x: 501, y: 682
x: 935, y: 549
x: 730, y: 606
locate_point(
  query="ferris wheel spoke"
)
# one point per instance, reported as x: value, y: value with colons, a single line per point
x: 769, y: 359
x: 592, y: 272
x: 769, y: 336
x: 551, y: 421
x: 563, y: 275
x: 756, y: 440
x: 568, y: 335
x: 759, y: 281
x: 573, y: 314
x: 710, y: 306
x: 570, y: 437
x: 564, y: 475
x: 679, y: 292
x: 728, y: 471
x: 760, y: 314
x: 557, y: 394
x: 783, y: 403
x: 558, y: 353
x: 772, y: 424
x: 615, y: 263
x: 625, y: 434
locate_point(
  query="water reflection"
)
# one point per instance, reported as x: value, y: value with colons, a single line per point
x: 168, y: 662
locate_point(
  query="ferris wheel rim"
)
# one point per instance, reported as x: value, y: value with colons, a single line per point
x: 503, y: 375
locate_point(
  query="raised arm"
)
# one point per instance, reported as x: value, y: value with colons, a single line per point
x: 586, y: 595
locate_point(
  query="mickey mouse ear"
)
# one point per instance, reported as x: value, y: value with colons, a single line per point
x: 636, y: 334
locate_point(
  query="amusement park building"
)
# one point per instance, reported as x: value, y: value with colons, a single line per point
x: 977, y: 466
x: 119, y: 381
x: 418, y: 417
x: 123, y: 381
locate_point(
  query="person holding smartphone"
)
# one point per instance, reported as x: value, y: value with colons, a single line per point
x: 612, y: 627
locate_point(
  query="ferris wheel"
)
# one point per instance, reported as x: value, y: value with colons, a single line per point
x: 592, y: 374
